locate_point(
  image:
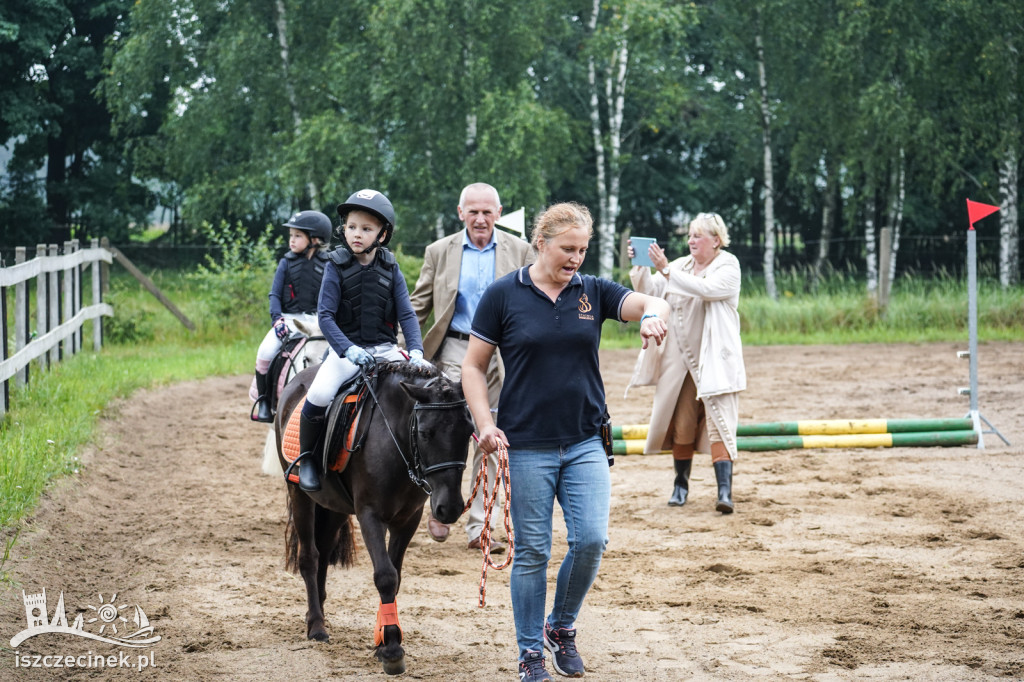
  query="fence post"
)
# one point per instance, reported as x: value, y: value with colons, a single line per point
x: 5, y: 393
x: 76, y: 296
x: 41, y: 319
x: 53, y: 305
x: 68, y: 299
x: 104, y: 269
x: 21, y: 316
x: 97, y: 298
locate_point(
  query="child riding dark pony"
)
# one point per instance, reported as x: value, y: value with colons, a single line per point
x: 362, y: 297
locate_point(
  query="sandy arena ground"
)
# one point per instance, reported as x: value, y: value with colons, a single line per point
x: 889, y: 564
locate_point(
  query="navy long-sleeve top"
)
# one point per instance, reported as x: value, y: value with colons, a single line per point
x: 330, y: 303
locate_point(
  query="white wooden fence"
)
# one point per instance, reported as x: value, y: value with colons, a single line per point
x: 59, y: 312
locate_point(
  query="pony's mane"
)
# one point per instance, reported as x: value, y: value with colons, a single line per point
x: 407, y: 370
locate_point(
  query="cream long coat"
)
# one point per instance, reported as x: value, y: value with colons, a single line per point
x: 438, y: 283
x: 716, y: 366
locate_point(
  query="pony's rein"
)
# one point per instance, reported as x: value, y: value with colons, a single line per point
x: 501, y: 475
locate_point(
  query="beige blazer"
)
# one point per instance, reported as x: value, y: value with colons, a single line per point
x: 438, y: 283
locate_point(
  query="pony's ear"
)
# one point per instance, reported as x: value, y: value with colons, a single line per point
x: 420, y: 394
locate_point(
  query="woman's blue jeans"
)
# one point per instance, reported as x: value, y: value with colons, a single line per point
x: 578, y: 476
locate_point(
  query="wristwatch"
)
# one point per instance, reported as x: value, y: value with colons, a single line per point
x: 664, y: 271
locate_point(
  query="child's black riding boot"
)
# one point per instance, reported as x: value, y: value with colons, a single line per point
x: 723, y: 473
x: 309, y: 468
x: 681, y: 487
x: 262, y: 411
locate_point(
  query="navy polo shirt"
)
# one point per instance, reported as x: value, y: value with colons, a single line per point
x: 553, y: 392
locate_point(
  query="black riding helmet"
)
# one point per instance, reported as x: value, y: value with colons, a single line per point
x: 314, y: 224
x: 371, y: 201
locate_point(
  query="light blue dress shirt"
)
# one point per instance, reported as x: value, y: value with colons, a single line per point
x: 475, y: 275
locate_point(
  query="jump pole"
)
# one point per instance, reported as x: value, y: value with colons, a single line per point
x: 821, y: 427
x: 846, y: 440
x: 975, y: 212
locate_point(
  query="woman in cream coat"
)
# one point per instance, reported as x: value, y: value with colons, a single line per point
x: 699, y: 370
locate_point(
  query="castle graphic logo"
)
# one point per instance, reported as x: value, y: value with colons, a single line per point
x: 107, y: 621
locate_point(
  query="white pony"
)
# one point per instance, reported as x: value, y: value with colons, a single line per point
x: 311, y: 353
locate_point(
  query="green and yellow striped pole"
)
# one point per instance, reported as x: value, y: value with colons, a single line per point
x: 827, y: 433
x: 858, y: 440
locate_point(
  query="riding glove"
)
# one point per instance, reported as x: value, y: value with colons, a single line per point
x: 281, y: 329
x: 358, y: 356
x: 416, y: 358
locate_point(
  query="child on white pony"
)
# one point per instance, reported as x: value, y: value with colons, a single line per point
x: 293, y: 295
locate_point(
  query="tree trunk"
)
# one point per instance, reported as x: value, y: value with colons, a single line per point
x: 58, y: 207
x: 870, y: 246
x: 899, y: 196
x: 769, y: 181
x: 1009, y: 256
x: 828, y: 218
x: 289, y: 88
x: 607, y: 167
x: 595, y: 128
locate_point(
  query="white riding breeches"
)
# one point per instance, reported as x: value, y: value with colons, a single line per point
x: 336, y: 371
x: 271, y: 344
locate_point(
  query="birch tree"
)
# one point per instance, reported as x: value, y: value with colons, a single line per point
x: 289, y: 86
x: 611, y: 88
x: 633, y: 82
x: 768, y: 261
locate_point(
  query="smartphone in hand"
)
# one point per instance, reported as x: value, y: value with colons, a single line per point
x: 640, y: 246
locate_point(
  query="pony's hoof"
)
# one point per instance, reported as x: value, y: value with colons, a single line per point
x: 320, y: 636
x: 395, y: 667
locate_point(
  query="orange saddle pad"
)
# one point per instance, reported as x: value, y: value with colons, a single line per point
x: 290, y: 441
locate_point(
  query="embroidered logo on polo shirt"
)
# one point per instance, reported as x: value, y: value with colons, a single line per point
x: 584, y: 307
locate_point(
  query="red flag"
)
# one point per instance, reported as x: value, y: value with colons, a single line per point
x: 976, y: 211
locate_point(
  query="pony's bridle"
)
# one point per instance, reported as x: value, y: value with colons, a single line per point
x: 417, y: 473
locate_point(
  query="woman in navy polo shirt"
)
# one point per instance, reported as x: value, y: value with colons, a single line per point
x: 546, y: 319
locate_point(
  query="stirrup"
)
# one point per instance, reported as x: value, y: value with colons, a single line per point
x: 254, y: 412
x: 293, y: 479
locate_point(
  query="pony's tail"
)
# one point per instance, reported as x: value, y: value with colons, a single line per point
x: 341, y: 549
x: 291, y: 540
x: 344, y: 552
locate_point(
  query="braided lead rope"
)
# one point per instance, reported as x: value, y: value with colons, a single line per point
x: 501, y: 480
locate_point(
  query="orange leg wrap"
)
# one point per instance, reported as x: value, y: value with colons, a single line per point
x: 387, y: 614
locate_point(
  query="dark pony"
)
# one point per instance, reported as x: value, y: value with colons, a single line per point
x: 415, y: 432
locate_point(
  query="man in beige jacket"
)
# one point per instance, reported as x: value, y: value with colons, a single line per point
x: 456, y: 270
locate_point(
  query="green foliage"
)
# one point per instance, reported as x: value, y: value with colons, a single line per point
x: 131, y: 323
x: 410, y: 267
x: 51, y: 55
x: 226, y: 285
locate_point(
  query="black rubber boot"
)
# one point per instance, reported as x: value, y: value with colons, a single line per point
x: 723, y: 474
x: 262, y: 412
x: 681, y: 487
x: 309, y: 468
